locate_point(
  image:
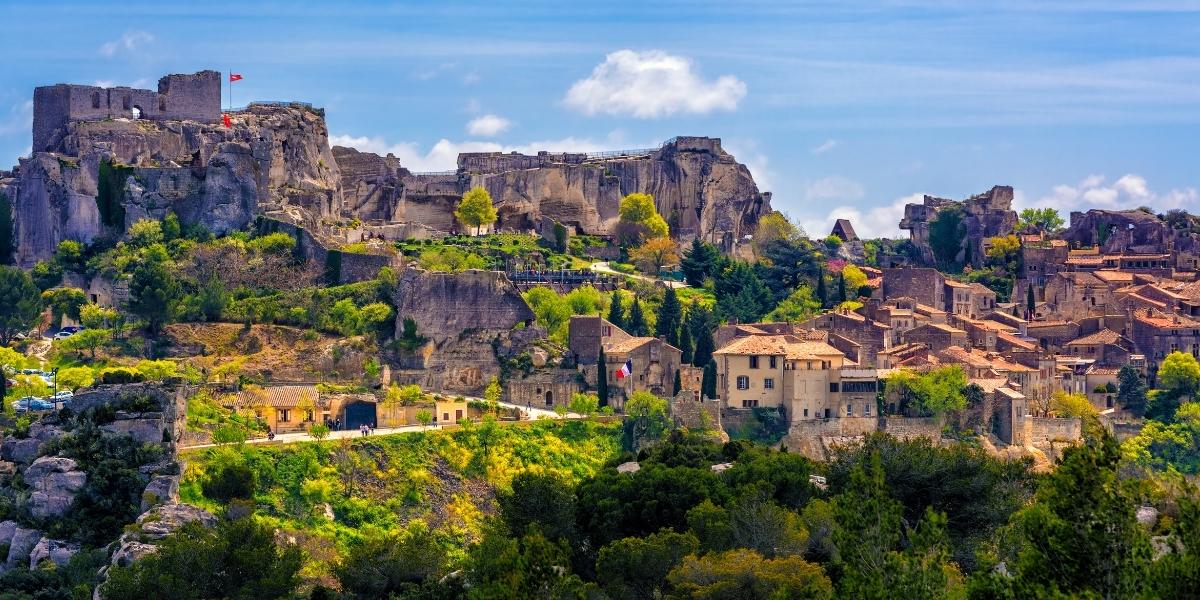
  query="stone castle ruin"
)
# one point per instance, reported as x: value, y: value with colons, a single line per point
x: 195, y: 97
x: 103, y: 158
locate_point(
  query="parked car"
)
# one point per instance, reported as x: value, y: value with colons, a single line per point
x: 29, y: 403
x: 72, y: 328
x: 62, y: 335
x: 63, y: 396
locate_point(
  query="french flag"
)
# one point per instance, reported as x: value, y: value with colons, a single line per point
x: 625, y: 369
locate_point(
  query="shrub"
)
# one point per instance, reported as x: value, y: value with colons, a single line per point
x: 110, y: 375
x: 230, y: 482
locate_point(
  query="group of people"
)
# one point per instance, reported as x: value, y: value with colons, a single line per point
x: 365, y: 429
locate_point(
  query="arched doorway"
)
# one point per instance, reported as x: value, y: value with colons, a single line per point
x: 137, y: 112
x: 549, y: 398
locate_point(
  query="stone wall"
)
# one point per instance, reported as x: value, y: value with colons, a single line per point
x: 913, y: 427
x: 340, y: 267
x: 686, y: 411
x: 543, y: 389
x: 195, y: 97
x: 1043, y: 430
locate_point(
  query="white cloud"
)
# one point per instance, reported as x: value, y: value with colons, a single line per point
x: 825, y: 146
x: 129, y: 41
x: 19, y: 119
x: 835, y: 187
x: 748, y: 153
x: 443, y: 156
x: 488, y: 125
x: 1128, y: 191
x: 471, y: 78
x: 879, y: 221
x: 652, y: 84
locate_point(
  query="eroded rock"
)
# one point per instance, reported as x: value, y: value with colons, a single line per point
x: 55, y: 482
x: 56, y: 551
x: 154, y: 525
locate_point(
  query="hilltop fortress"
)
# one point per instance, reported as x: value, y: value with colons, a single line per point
x: 105, y: 157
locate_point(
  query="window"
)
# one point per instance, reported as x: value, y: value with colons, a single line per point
x: 772, y: 362
x: 753, y: 362
x: 806, y: 412
x: 284, y: 415
x: 768, y: 384
x: 849, y: 410
x: 749, y: 403
x: 743, y: 382
x: 833, y: 386
x: 607, y: 331
x: 867, y: 409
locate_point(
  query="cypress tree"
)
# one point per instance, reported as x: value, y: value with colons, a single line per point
x: 670, y: 315
x: 822, y: 296
x: 841, y: 287
x: 708, y: 383
x: 616, y: 314
x: 685, y: 344
x: 1029, y: 303
x: 637, y: 320
x: 704, y: 348
x: 678, y: 384
x: 602, y: 378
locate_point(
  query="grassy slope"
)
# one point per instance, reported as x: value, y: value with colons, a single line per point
x: 381, y: 484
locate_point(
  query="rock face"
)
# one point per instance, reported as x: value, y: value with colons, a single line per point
x: 984, y: 215
x: 56, y: 551
x: 154, y: 525
x: 146, y: 428
x: 55, y: 481
x: 99, y: 177
x: 1129, y: 231
x: 23, y: 451
x: 698, y: 187
x: 20, y: 544
x: 468, y: 320
x: 162, y: 489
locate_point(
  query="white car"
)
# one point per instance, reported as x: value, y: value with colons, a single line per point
x: 62, y: 335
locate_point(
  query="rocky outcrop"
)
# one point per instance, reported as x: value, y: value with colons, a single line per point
x: 146, y: 428
x: 24, y: 450
x: 1130, y: 231
x: 162, y: 489
x: 470, y: 321
x: 698, y: 187
x: 20, y: 544
x: 54, y: 481
x: 155, y: 524
x: 102, y: 176
x: 984, y: 215
x: 55, y: 551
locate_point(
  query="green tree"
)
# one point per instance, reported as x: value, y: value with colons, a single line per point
x: 493, y: 393
x: 46, y: 274
x: 645, y: 418
x: 1030, y: 305
x: 799, y: 306
x: 543, y: 502
x: 685, y: 343
x: 742, y: 295
x: 639, y: 220
x: 1177, y: 574
x: 1081, y: 536
x: 236, y: 559
x: 616, y: 313
x: 88, y: 339
x: 585, y: 405
x: 677, y: 385
x: 550, y: 310
x: 476, y: 209
x: 20, y: 303
x: 424, y: 417
x: 602, y: 379
x: 1131, y: 390
x: 1166, y: 446
x: 69, y: 255
x: 506, y: 567
x: 637, y: 320
x: 637, y: 568
x: 708, y: 380
x: 701, y: 261
x: 145, y: 233
x: 822, y: 295
x: 670, y: 317
x: 1046, y: 219
x: 868, y: 527
x: 700, y: 323
x: 841, y: 288
x: 394, y: 564
x: 97, y: 317
x: 946, y: 236
x: 64, y: 302
x: 153, y: 293
x: 1178, y: 382
x: 747, y: 575
x: 73, y: 378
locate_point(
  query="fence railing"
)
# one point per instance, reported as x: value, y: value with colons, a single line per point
x: 434, y: 173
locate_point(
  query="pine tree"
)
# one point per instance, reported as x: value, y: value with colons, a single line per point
x: 1131, y: 390
x: 841, y: 287
x: 670, y: 315
x: 637, y: 320
x: 678, y: 384
x: 821, y: 294
x: 602, y: 378
x: 616, y: 313
x: 685, y: 344
x: 708, y: 383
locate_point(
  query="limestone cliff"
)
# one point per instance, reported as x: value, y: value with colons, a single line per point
x: 984, y: 215
x: 470, y: 321
x: 698, y: 187
x: 102, y: 176
x: 1132, y: 231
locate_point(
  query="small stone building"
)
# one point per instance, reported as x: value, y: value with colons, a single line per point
x: 543, y: 389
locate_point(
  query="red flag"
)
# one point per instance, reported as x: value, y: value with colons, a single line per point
x: 234, y: 77
x: 226, y: 120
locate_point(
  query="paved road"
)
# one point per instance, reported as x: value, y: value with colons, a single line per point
x: 602, y: 267
x: 285, y: 438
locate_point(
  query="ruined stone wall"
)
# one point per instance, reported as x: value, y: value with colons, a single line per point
x: 686, y: 411
x: 543, y: 389
x: 914, y: 427
x: 1043, y: 430
x: 924, y: 285
x: 195, y: 97
x: 340, y: 267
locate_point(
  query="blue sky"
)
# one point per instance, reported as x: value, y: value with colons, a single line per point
x: 840, y: 108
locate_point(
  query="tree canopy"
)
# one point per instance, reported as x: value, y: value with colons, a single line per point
x: 476, y: 209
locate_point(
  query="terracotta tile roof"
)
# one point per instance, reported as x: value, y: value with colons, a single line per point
x: 1112, y: 276
x: 990, y: 384
x: 1104, y: 336
x: 633, y: 343
x: 956, y: 284
x: 281, y: 396
x: 812, y: 350
x: 1097, y: 370
x: 955, y: 354
x: 1013, y: 340
x: 1036, y: 324
x: 1163, y: 321
x: 756, y: 344
x: 943, y: 327
x: 982, y: 289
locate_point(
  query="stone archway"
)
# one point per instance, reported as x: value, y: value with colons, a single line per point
x: 137, y: 112
x: 549, y: 398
